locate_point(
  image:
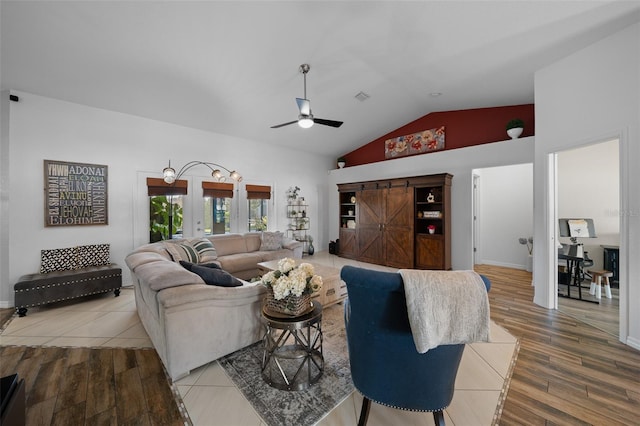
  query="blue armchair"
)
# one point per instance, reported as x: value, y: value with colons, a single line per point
x: 385, y: 366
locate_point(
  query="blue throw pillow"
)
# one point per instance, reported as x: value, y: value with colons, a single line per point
x: 213, y: 275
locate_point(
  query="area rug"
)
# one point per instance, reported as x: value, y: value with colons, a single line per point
x: 283, y: 408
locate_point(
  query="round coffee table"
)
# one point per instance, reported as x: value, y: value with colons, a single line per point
x: 293, y: 358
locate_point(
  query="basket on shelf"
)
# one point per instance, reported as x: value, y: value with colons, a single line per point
x: 290, y: 305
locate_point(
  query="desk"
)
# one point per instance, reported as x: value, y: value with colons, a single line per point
x: 574, y: 267
x: 293, y: 359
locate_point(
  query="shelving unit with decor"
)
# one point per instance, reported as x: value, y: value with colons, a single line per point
x: 433, y: 230
x: 400, y: 222
x: 298, y: 223
x: 348, y: 224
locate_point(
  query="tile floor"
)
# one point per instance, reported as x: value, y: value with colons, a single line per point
x: 212, y: 399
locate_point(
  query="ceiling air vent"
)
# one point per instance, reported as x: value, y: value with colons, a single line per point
x: 361, y: 96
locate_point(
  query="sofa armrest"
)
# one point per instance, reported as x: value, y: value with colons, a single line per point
x: 290, y: 244
x: 295, y: 246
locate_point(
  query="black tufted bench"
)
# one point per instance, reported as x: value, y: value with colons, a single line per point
x: 40, y: 289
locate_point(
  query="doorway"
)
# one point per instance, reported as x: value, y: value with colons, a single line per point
x: 588, y: 186
x: 502, y: 215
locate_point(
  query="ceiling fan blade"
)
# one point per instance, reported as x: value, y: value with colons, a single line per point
x: 304, y: 106
x: 331, y: 123
x: 283, y: 124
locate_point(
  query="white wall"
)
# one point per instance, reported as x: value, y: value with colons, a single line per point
x: 43, y: 128
x: 460, y: 163
x: 591, y: 96
x: 588, y: 187
x: 505, y: 214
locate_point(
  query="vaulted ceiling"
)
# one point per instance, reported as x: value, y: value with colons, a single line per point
x: 232, y: 67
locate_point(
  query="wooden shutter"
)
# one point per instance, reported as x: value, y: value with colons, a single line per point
x: 258, y: 192
x: 217, y: 190
x: 157, y: 186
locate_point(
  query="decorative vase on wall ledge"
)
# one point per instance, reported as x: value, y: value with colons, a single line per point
x: 514, y: 127
x: 341, y: 164
x: 515, y: 132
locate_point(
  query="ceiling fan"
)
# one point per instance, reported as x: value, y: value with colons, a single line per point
x: 306, y: 118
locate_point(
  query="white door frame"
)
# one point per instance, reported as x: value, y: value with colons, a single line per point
x: 552, y: 227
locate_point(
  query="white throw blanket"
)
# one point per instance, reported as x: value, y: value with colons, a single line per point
x: 446, y: 307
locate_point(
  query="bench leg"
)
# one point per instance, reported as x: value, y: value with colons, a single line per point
x: 116, y: 292
x: 22, y: 312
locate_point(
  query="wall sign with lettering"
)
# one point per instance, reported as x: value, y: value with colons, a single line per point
x: 75, y: 194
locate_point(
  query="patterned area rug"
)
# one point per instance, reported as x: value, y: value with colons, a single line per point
x: 307, y: 407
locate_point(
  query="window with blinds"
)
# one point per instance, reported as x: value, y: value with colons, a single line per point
x: 258, y: 197
x: 217, y: 207
x: 165, y: 208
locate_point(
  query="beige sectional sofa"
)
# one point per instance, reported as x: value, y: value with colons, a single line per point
x: 189, y: 322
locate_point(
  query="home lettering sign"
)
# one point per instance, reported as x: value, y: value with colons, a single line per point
x: 75, y: 194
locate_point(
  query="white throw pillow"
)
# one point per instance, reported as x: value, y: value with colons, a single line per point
x: 271, y: 241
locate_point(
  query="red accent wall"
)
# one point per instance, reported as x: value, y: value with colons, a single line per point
x: 462, y: 128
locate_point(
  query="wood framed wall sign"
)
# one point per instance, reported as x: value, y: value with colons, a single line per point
x: 75, y: 194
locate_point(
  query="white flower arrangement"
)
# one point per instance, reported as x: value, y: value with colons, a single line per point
x: 291, y: 280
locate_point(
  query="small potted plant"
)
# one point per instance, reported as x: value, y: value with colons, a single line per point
x: 292, y: 193
x: 515, y: 127
x: 342, y: 162
x: 431, y: 229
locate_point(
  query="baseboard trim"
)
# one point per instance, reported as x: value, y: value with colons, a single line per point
x: 634, y: 343
x: 504, y: 264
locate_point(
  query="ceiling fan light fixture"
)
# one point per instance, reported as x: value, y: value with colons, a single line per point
x: 305, y: 122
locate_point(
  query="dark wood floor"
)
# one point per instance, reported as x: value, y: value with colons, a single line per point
x: 84, y: 386
x: 567, y: 372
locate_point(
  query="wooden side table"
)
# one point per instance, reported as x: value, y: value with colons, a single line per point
x: 293, y: 358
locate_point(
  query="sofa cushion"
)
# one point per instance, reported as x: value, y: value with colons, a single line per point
x: 271, y: 241
x: 182, y: 251
x: 274, y: 254
x: 253, y: 241
x: 161, y: 275
x: 229, y: 244
x: 240, y: 262
x: 206, y: 251
x: 214, y: 276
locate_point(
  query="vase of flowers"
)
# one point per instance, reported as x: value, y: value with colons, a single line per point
x: 431, y: 229
x: 289, y: 287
